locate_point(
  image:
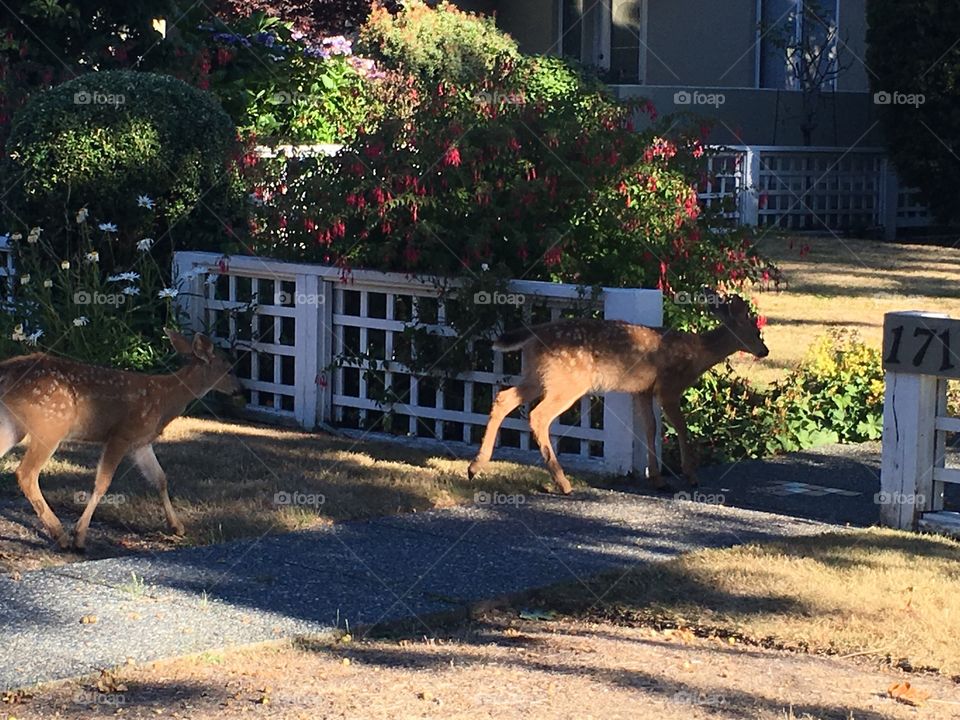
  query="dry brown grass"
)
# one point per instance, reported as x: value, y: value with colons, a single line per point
x: 847, y: 284
x: 875, y: 592
x: 223, y: 479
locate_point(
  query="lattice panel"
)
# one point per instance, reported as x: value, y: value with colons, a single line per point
x: 374, y: 390
x: 258, y: 313
x: 819, y: 191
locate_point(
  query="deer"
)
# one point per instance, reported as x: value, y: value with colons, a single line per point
x: 564, y: 360
x: 52, y: 399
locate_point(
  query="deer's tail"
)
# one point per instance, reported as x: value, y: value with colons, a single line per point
x: 513, y: 339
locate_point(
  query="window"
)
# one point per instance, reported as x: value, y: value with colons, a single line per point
x: 799, y: 43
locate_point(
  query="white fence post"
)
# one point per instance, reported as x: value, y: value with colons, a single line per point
x: 918, y: 356
x: 909, y: 447
x: 306, y: 317
x: 625, y: 445
x: 190, y: 295
x: 749, y: 194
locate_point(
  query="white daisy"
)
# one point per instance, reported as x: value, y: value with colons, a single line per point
x: 65, y: 265
x: 124, y: 277
x: 82, y: 216
x: 25, y: 279
x: 167, y: 293
x: 93, y: 256
x: 48, y: 283
x: 34, y: 235
x: 145, y: 201
x: 33, y: 337
x: 108, y: 227
x: 145, y: 245
x: 131, y: 290
x: 81, y: 321
x: 18, y: 335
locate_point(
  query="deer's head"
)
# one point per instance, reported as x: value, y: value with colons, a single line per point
x: 217, y: 370
x: 735, y: 315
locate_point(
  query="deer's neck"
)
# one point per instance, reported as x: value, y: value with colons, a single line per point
x: 717, y: 345
x: 183, y: 387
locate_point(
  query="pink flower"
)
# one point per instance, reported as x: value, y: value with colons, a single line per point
x: 452, y: 156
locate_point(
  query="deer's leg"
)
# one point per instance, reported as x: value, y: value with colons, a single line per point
x: 556, y: 401
x: 113, y: 452
x: 506, y: 402
x: 645, y: 405
x: 148, y: 464
x: 688, y: 463
x: 28, y: 477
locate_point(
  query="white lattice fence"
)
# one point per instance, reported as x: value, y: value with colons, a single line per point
x: 812, y: 188
x: 315, y: 349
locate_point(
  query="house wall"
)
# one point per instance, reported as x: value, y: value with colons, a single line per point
x: 532, y: 23
x: 701, y: 44
x: 771, y: 117
x: 853, y: 49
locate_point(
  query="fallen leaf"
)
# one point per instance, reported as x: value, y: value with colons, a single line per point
x: 908, y: 694
x: 88, y: 620
x: 537, y: 614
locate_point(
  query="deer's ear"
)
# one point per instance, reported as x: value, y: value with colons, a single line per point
x: 714, y: 301
x: 179, y: 342
x: 202, y: 348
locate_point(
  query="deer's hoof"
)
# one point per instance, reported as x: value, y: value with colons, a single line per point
x: 63, y: 540
x: 473, y: 469
x: 178, y: 529
x: 79, y: 545
x: 657, y: 482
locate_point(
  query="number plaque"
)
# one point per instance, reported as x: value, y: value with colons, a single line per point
x: 922, y: 344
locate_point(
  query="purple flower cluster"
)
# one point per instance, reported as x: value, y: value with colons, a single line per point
x: 328, y: 47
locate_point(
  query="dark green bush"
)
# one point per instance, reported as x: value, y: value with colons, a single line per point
x: 834, y: 395
x: 914, y: 62
x: 103, y: 140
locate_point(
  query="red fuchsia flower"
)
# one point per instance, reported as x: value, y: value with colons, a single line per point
x: 552, y: 256
x: 451, y: 158
x: 378, y: 195
x: 224, y: 265
x: 762, y: 200
x: 351, y: 200
x: 338, y: 229
x: 224, y: 56
x: 697, y: 149
x: 413, y: 211
x: 411, y: 254
x: 650, y: 109
x: 652, y: 183
x: 514, y: 144
x: 283, y: 221
x: 761, y: 322
x: 690, y: 206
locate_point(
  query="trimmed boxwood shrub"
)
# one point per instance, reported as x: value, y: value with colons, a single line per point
x: 105, y: 139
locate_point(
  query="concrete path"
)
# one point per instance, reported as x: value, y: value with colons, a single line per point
x: 361, y: 573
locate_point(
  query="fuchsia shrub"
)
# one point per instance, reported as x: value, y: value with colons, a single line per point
x: 514, y: 179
